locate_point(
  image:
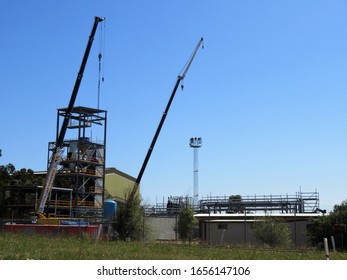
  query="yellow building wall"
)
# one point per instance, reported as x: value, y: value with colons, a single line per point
x: 117, y: 187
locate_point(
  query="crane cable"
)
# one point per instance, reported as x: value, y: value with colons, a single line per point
x: 101, y: 57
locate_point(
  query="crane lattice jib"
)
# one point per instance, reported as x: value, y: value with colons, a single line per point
x: 54, y: 162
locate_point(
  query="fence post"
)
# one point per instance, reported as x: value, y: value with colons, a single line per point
x: 326, y: 248
x: 333, y: 243
x: 99, y: 233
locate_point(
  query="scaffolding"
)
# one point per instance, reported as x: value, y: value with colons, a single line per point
x: 82, y: 167
x: 20, y: 202
x: 301, y: 202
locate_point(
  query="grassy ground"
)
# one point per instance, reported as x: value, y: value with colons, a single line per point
x: 19, y: 247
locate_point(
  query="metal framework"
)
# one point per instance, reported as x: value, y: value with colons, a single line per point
x: 171, y: 207
x: 21, y: 201
x: 301, y: 202
x: 82, y: 167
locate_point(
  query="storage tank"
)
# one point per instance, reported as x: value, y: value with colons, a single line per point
x: 110, y: 208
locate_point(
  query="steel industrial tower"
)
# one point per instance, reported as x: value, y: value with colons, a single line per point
x: 195, y: 143
x: 81, y: 170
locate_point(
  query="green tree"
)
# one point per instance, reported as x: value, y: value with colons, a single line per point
x: 339, y: 213
x: 324, y: 226
x: 9, y: 176
x: 318, y: 229
x: 5, y: 173
x: 129, y: 222
x: 186, y: 223
x: 23, y: 177
x: 5, y: 178
x: 272, y: 231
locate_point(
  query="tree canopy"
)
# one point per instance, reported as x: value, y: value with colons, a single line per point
x: 333, y: 224
x: 9, y: 176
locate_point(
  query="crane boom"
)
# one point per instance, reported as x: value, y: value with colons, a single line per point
x: 179, y: 79
x: 56, y: 156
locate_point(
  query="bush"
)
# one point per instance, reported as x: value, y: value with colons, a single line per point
x: 324, y: 226
x: 129, y: 222
x: 186, y: 223
x: 272, y: 231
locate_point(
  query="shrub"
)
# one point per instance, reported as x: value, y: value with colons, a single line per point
x: 272, y: 231
x: 129, y: 223
x: 324, y: 226
x: 186, y: 223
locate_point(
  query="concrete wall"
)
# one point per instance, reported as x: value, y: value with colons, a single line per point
x: 299, y: 232
x: 240, y: 232
x: 219, y: 233
x: 162, y: 228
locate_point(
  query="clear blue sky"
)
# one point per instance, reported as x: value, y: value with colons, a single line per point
x: 267, y: 94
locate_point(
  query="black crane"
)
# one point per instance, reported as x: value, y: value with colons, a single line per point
x: 179, y: 80
x: 56, y: 156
